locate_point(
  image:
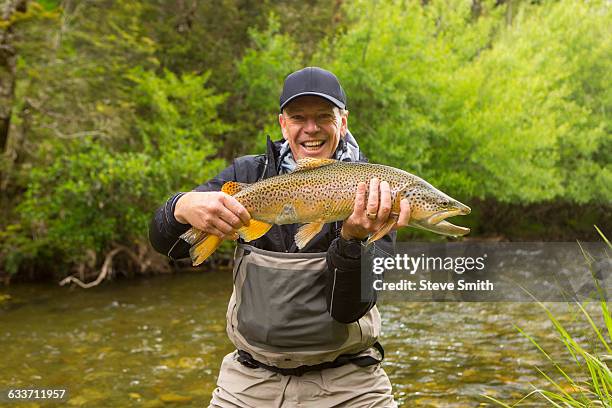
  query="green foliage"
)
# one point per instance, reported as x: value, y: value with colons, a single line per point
x: 272, y: 57
x: 174, y: 111
x: 525, y: 109
x: 504, y: 105
x: 514, y: 113
x: 49, y: 4
x: 91, y: 196
x: 568, y: 390
x: 71, y: 83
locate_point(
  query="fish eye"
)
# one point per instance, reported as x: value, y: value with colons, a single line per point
x: 444, y: 203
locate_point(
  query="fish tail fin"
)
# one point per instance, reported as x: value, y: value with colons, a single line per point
x: 233, y: 187
x: 202, y: 245
x: 193, y: 236
x: 203, y: 249
x: 254, y: 230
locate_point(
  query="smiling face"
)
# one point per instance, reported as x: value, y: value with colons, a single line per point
x: 312, y: 126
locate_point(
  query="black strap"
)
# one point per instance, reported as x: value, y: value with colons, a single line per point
x: 364, y: 361
x: 247, y: 360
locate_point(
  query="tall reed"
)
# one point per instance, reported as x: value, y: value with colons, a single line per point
x: 564, y: 389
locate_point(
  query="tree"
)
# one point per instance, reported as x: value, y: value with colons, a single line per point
x: 10, y: 10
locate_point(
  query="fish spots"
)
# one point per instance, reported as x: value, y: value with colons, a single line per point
x: 328, y: 192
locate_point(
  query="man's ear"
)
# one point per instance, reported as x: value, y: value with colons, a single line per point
x: 281, y: 121
x: 344, y: 123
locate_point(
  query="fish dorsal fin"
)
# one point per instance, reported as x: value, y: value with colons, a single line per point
x: 309, y: 163
x: 233, y: 187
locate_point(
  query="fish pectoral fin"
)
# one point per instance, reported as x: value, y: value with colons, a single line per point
x: 255, y: 230
x: 307, y: 232
x: 384, y: 230
x: 203, y: 249
x: 308, y: 163
x: 391, y: 221
x: 233, y: 187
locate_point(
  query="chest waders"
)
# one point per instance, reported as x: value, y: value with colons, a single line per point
x: 278, y: 320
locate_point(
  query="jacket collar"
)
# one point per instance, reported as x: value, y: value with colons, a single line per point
x: 348, y: 144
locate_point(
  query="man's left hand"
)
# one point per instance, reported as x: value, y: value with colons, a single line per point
x: 358, y: 225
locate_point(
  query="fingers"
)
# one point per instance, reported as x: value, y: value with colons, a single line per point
x: 384, y: 209
x: 372, y: 206
x: 238, y: 210
x: 404, y: 215
x: 214, y: 213
x: 379, y: 201
x: 223, y: 227
x: 214, y: 231
x: 223, y: 231
x: 231, y: 218
x: 371, y: 212
x: 351, y: 228
x: 360, y: 199
x: 228, y: 217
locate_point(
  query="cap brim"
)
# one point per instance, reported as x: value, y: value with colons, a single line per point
x: 324, y: 96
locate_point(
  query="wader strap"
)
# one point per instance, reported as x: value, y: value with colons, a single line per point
x: 247, y: 360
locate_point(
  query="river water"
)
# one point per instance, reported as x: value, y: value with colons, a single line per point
x: 159, y: 342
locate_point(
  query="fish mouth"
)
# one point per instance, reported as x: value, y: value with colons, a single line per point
x: 439, y: 216
x: 437, y: 222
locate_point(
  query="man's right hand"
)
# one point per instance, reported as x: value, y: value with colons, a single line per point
x: 215, y: 213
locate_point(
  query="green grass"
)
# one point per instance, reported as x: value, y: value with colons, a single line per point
x: 563, y: 389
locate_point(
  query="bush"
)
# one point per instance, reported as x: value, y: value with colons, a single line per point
x: 93, y: 196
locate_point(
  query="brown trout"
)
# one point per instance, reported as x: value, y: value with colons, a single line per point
x: 320, y: 191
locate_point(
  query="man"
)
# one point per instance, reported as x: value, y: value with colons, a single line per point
x: 304, y: 329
